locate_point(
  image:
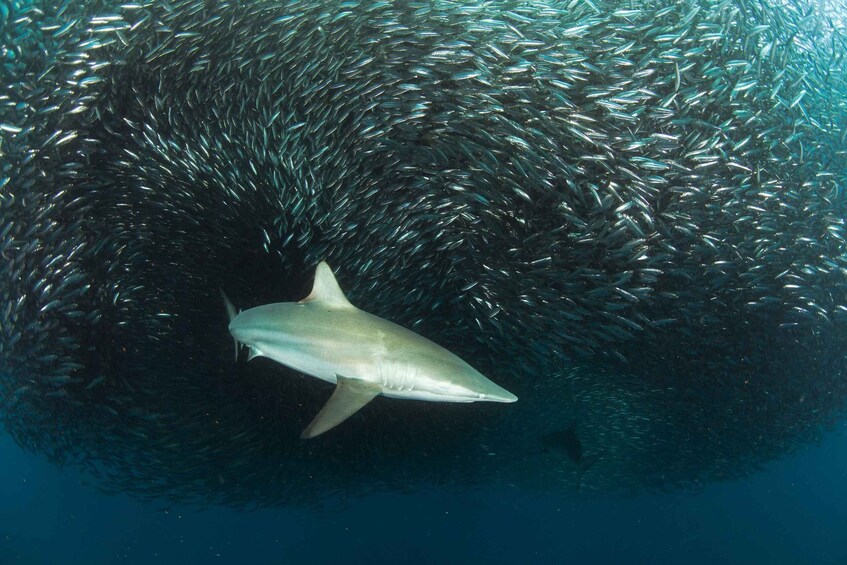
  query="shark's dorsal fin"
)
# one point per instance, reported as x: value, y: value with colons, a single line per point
x: 326, y: 289
x: 349, y: 396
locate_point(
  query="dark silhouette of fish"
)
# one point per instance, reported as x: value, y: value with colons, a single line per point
x: 567, y: 441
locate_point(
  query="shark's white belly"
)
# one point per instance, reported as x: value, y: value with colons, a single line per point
x: 324, y: 359
x: 329, y: 358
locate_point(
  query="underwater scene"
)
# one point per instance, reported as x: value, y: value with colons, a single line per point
x: 423, y: 281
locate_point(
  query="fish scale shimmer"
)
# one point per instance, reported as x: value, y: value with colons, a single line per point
x: 630, y: 215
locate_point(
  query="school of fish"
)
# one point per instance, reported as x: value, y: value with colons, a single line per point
x: 630, y: 215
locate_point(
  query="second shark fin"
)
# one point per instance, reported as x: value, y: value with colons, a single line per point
x: 231, y: 312
x: 349, y: 396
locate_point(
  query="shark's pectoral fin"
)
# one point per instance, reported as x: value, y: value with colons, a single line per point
x: 349, y: 396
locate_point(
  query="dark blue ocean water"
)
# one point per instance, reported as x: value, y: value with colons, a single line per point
x: 794, y: 511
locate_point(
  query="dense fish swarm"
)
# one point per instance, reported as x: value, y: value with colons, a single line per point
x: 630, y: 214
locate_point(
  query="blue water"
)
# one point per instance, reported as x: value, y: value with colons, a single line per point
x: 794, y: 511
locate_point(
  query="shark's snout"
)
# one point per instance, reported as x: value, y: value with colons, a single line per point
x: 496, y: 393
x: 504, y: 396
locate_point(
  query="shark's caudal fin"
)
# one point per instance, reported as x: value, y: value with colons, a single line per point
x: 349, y: 396
x: 232, y: 313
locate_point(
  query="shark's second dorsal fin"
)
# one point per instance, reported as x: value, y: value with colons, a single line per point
x: 349, y: 396
x: 326, y: 289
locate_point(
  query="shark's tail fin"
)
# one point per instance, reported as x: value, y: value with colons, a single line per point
x: 232, y: 313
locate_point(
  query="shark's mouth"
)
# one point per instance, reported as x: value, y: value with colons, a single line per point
x: 635, y: 242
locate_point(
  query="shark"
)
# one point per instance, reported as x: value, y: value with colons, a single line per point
x: 568, y: 441
x: 363, y: 355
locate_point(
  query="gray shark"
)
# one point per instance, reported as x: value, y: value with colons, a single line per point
x: 325, y: 336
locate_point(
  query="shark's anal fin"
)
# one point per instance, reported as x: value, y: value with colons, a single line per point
x: 349, y: 396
